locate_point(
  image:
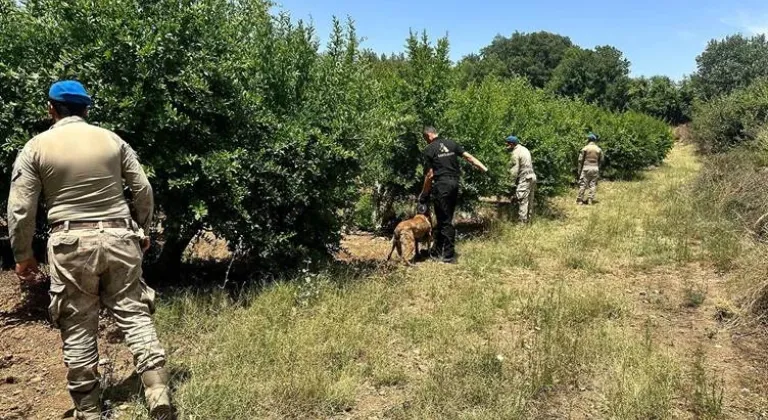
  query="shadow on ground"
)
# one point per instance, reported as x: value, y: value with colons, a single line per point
x: 32, y: 306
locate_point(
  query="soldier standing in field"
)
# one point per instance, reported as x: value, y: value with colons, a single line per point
x: 95, y: 248
x: 524, y: 177
x: 441, y: 181
x: 590, y: 159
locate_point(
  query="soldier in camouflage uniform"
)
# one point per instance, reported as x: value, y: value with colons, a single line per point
x: 590, y: 159
x: 523, y: 175
x: 95, y: 249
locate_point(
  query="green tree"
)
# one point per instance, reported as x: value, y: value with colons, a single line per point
x: 599, y: 76
x: 660, y: 97
x: 427, y: 77
x: 730, y: 64
x: 687, y: 94
x: 533, y: 56
x: 731, y: 120
x: 475, y: 68
x: 244, y: 128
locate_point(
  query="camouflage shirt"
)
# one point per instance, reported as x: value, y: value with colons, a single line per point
x: 591, y: 156
x: 79, y: 169
x: 522, y: 164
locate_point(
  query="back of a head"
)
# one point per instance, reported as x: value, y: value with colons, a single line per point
x: 64, y: 110
x: 69, y: 98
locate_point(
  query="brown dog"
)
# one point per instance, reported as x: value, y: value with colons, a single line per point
x: 417, y: 229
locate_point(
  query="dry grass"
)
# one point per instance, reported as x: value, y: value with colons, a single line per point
x: 734, y: 187
x: 582, y: 316
x: 683, y: 134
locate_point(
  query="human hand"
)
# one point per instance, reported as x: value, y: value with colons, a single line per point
x: 28, y: 272
x: 146, y: 242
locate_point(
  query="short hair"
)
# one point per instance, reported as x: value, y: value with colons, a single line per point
x: 69, y: 109
x: 429, y: 130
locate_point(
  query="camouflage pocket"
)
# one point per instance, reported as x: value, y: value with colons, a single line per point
x: 63, y: 243
x: 57, y: 302
x: 125, y: 237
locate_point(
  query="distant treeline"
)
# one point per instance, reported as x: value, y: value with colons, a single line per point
x: 601, y: 75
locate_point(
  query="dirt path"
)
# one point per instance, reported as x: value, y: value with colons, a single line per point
x: 31, y: 370
x: 32, y: 373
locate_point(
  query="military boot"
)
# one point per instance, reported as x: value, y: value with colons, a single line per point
x: 157, y: 393
x: 87, y: 404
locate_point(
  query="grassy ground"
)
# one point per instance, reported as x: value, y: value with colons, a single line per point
x: 614, y: 311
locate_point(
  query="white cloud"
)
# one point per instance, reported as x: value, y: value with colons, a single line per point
x: 749, y: 23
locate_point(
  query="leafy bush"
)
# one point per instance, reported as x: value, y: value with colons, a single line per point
x: 662, y: 98
x: 554, y: 129
x: 244, y: 127
x: 365, y: 213
x: 728, y: 121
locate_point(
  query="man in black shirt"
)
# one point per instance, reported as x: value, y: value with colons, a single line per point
x: 441, y: 179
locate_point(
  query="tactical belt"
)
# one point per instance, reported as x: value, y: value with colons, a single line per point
x: 100, y: 225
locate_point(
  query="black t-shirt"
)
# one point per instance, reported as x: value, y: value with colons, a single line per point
x: 442, y: 156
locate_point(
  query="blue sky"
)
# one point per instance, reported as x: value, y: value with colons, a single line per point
x: 658, y: 37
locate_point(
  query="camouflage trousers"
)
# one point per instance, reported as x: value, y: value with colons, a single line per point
x: 526, y: 194
x: 89, y: 269
x: 588, y: 181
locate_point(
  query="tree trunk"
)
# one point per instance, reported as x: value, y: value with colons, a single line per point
x: 167, y: 267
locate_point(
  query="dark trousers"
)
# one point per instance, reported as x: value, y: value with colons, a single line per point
x: 445, y: 193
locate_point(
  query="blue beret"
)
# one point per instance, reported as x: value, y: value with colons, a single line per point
x: 513, y: 140
x: 69, y: 92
